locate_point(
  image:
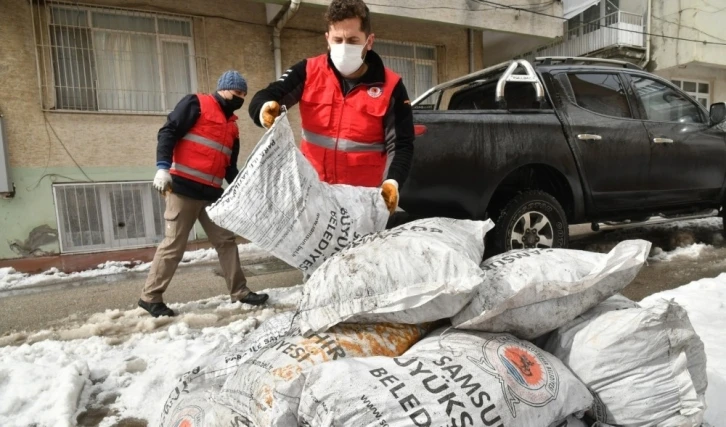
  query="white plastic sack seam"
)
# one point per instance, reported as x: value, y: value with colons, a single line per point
x: 419, y: 272
x: 645, y: 366
x: 531, y: 292
x: 460, y: 378
x: 279, y: 203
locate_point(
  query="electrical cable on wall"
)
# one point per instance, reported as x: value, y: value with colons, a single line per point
x: 43, y: 175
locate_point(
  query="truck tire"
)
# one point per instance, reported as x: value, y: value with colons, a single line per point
x: 532, y: 219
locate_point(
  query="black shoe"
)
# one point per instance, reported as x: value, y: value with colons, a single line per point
x: 156, y: 309
x: 254, y: 299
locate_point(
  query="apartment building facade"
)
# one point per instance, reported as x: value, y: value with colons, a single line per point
x: 84, y: 88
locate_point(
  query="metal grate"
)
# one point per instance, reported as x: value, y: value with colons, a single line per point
x: 114, y: 60
x: 106, y: 216
x: 415, y: 63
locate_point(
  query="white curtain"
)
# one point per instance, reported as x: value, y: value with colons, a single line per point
x: 417, y: 76
x: 177, y: 75
x: 576, y: 7
x: 127, y: 67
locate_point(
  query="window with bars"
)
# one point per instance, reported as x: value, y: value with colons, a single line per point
x: 700, y: 91
x: 105, y: 216
x: 112, y: 60
x: 415, y: 63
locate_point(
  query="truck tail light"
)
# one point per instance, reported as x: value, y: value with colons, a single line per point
x: 419, y: 130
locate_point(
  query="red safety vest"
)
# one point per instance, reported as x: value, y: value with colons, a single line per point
x: 204, y: 153
x: 344, y: 137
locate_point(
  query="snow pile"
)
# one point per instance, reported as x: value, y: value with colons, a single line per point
x: 693, y: 251
x: 705, y: 301
x: 129, y: 371
x: 11, y: 279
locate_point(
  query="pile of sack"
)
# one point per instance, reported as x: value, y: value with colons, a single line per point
x: 408, y: 327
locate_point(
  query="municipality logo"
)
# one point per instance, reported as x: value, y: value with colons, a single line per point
x: 188, y: 416
x: 375, y: 92
x: 525, y: 374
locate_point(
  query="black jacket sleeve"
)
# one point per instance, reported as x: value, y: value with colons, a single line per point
x: 398, y: 123
x: 287, y: 90
x: 232, y: 170
x: 178, y: 123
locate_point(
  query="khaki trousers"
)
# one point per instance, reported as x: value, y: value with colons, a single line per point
x: 180, y: 215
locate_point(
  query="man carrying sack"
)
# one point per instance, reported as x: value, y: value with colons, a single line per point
x: 357, y: 121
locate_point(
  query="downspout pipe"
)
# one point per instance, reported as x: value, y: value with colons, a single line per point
x: 649, y: 17
x: 277, y: 30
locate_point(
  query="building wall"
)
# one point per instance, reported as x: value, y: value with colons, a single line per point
x: 690, y: 19
x: 698, y: 72
x: 44, y: 146
x: 471, y: 14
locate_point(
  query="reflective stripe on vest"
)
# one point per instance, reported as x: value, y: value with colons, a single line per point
x: 343, y: 144
x: 208, y: 142
x: 201, y: 175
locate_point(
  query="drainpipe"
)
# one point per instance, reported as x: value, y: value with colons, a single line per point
x: 649, y: 15
x: 471, y: 51
x: 279, y: 23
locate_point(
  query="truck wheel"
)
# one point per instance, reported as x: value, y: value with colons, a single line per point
x: 532, y: 219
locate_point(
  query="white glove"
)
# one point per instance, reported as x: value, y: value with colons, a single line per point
x: 162, y: 180
x: 269, y: 112
x: 389, y: 191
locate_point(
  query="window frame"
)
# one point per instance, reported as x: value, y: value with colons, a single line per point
x: 413, y: 93
x: 695, y: 95
x: 705, y: 116
x: 634, y: 113
x: 50, y: 77
x: 103, y: 194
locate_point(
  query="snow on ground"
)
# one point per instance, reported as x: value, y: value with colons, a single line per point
x: 123, y: 361
x: 705, y: 301
x: 689, y: 239
x: 692, y: 251
x: 11, y: 279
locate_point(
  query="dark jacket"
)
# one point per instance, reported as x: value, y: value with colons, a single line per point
x: 178, y: 123
x: 398, y: 120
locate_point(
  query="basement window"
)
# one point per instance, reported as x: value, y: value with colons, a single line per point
x: 109, y: 216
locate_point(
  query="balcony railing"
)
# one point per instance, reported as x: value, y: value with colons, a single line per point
x: 617, y: 29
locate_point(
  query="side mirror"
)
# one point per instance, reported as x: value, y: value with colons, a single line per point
x: 718, y: 113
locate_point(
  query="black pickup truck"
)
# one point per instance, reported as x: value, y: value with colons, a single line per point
x: 537, y: 146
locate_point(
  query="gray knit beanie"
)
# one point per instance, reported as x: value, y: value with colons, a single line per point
x: 232, y: 80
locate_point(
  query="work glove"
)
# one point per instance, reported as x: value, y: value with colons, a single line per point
x: 162, y: 180
x: 268, y: 114
x: 389, y: 191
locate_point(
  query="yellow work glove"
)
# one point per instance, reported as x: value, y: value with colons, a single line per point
x: 268, y: 114
x: 389, y: 191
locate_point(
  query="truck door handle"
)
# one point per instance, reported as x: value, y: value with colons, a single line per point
x: 589, y: 137
x: 662, y: 141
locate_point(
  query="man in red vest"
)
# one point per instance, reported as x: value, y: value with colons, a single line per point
x: 357, y: 122
x: 197, y: 149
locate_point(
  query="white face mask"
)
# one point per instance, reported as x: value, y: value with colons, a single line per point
x: 347, y: 58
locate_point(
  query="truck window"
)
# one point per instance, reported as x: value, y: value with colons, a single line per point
x: 600, y: 93
x: 664, y: 104
x: 518, y: 96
